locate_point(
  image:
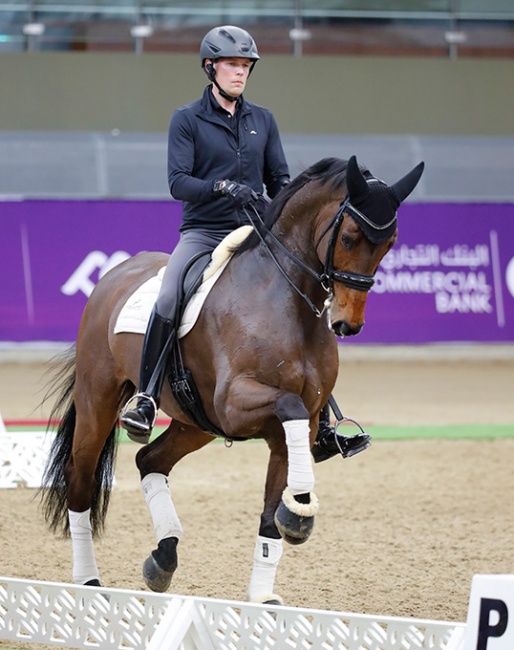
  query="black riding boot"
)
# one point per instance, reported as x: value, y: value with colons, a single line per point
x: 139, y: 421
x: 329, y: 443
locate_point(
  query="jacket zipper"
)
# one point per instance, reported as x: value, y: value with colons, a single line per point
x: 238, y: 151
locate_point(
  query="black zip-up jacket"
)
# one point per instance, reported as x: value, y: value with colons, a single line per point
x: 203, y: 148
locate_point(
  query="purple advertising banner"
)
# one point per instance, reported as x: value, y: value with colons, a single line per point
x: 55, y: 251
x: 450, y: 276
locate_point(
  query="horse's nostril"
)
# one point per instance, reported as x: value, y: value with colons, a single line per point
x: 338, y: 328
x: 343, y: 328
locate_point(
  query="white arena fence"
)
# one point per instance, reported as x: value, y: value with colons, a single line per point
x: 71, y: 616
x: 22, y: 457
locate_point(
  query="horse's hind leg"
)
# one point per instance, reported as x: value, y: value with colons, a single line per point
x: 89, y: 469
x: 155, y: 462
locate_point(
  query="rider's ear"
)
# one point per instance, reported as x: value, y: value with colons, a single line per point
x: 209, y: 69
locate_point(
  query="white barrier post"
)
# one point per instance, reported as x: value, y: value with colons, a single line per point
x: 181, y: 627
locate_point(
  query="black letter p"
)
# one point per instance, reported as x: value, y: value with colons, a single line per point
x: 485, y: 630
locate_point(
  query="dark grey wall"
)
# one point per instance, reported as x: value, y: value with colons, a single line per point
x: 100, y: 92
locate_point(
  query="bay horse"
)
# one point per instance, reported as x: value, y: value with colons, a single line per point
x: 263, y: 354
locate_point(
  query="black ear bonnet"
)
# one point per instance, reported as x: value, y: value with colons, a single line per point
x: 373, y: 204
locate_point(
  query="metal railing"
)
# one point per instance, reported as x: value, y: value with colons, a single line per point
x: 445, y: 27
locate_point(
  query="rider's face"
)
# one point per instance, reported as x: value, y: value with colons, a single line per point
x: 232, y: 73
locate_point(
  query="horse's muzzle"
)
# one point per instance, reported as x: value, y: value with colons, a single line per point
x: 343, y: 328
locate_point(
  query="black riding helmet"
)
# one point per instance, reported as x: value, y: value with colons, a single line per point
x: 227, y: 41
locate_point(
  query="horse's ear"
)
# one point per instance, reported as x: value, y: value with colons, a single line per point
x: 355, y: 181
x: 405, y: 185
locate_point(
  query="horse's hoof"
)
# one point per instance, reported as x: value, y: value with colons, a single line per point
x: 268, y: 599
x: 160, y: 565
x: 295, y: 520
x: 96, y: 583
x: 92, y: 583
x: 271, y: 599
x: 156, y: 578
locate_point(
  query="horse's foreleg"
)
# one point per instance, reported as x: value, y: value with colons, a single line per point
x: 266, y: 557
x: 294, y: 516
x: 268, y: 544
x: 155, y: 461
x: 290, y: 503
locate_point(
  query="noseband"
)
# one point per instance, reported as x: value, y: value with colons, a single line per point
x: 329, y: 274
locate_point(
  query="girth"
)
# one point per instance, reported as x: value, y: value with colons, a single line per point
x: 186, y: 393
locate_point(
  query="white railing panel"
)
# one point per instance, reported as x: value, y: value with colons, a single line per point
x: 22, y: 458
x: 70, y: 616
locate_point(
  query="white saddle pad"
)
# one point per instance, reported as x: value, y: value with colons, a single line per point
x: 135, y: 313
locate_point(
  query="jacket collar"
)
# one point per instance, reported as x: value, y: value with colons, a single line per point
x: 209, y: 102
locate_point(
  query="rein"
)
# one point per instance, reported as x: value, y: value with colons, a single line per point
x: 329, y: 274
x: 257, y: 227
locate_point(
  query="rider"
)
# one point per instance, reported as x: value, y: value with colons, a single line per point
x: 222, y: 151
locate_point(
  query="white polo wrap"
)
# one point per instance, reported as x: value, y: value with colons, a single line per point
x: 266, y: 556
x: 300, y: 475
x: 84, y: 562
x: 158, y: 499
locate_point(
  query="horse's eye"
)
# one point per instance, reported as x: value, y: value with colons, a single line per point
x: 346, y: 241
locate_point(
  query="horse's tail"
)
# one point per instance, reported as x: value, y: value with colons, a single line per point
x: 53, y: 493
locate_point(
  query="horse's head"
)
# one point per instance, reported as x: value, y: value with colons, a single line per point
x: 363, y: 230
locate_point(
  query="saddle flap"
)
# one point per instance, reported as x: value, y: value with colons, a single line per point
x: 190, y: 279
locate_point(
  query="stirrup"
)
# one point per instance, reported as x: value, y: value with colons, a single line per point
x: 350, y: 445
x: 339, y: 443
x: 137, y: 431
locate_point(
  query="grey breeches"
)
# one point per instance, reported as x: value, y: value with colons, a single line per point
x: 190, y: 244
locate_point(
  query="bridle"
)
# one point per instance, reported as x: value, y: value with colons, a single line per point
x: 352, y: 280
x: 329, y: 273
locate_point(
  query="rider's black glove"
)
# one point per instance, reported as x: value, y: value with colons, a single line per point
x: 242, y: 195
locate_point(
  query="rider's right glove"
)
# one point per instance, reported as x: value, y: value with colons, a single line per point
x: 242, y: 195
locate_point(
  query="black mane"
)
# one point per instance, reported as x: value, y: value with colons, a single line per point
x: 331, y: 170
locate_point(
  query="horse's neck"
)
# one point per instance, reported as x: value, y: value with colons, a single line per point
x: 302, y: 218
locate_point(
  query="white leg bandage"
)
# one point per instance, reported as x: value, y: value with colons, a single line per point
x: 266, y: 556
x: 300, y: 476
x: 158, y: 499
x: 84, y: 562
